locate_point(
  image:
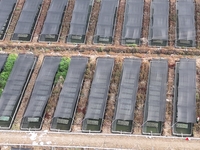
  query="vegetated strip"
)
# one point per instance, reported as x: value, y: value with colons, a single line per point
x: 6, y: 71
x: 66, y: 21
x: 82, y: 104
x: 141, y: 96
x: 58, y: 82
x: 113, y: 91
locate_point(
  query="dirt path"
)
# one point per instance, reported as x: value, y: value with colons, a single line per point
x: 172, y: 22
x: 41, y: 19
x: 66, y: 21
x: 100, y: 140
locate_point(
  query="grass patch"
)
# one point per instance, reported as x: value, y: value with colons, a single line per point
x: 6, y: 71
x: 62, y: 70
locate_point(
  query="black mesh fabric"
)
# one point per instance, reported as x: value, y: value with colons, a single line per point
x: 28, y: 16
x: 186, y: 103
x: 15, y: 84
x: 128, y: 90
x: 42, y: 88
x: 133, y: 19
x: 3, y: 58
x: 54, y: 17
x: 6, y: 9
x: 69, y: 95
x: 156, y: 95
x: 159, y: 20
x: 105, y: 23
x: 99, y: 89
x: 186, y: 21
x: 80, y: 17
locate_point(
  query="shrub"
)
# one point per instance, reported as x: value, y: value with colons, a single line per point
x: 6, y: 71
x: 62, y: 70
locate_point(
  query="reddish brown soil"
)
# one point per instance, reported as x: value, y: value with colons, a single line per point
x: 197, y: 17
x: 41, y: 19
x: 14, y: 20
x: 110, y: 107
x: 119, y: 22
x: 172, y: 22
x: 66, y: 21
x: 141, y: 96
x: 82, y: 104
x: 146, y: 20
x: 93, y: 22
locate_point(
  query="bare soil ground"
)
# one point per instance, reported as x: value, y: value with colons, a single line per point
x: 93, y: 22
x: 146, y: 20
x: 119, y: 22
x: 66, y: 21
x: 14, y: 20
x: 141, y: 96
x: 82, y: 104
x: 172, y: 22
x: 197, y: 17
x: 41, y: 19
x: 112, y: 96
x: 45, y: 140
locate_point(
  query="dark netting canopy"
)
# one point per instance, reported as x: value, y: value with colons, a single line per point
x: 124, y: 113
x: 13, y: 91
x: 106, y: 22
x: 13, y: 148
x: 154, y: 112
x: 158, y: 28
x: 186, y: 104
x: 132, y: 22
x: 52, y: 24
x: 33, y: 116
x: 27, y: 20
x: 68, y: 99
x: 6, y: 10
x: 186, y: 33
x: 98, y: 95
x: 3, y: 58
x: 79, y: 22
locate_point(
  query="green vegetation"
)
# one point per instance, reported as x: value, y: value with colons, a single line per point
x: 62, y: 70
x: 6, y: 71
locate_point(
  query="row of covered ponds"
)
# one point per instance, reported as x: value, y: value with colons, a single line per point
x: 184, y: 101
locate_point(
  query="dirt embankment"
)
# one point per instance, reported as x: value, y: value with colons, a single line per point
x: 66, y: 21
x: 93, y: 22
x: 119, y: 22
x: 38, y: 26
x: 13, y: 23
x: 82, y: 104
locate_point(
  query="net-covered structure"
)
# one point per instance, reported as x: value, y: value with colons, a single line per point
x: 155, y: 104
x: 20, y: 148
x: 79, y: 22
x: 185, y: 24
x: 68, y: 99
x: 14, y: 89
x: 52, y: 24
x: 133, y: 18
x: 184, y: 102
x: 6, y: 9
x: 33, y: 116
x: 3, y: 58
x: 93, y: 119
x: 104, y: 32
x: 125, y: 104
x: 159, y: 22
x: 27, y: 20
